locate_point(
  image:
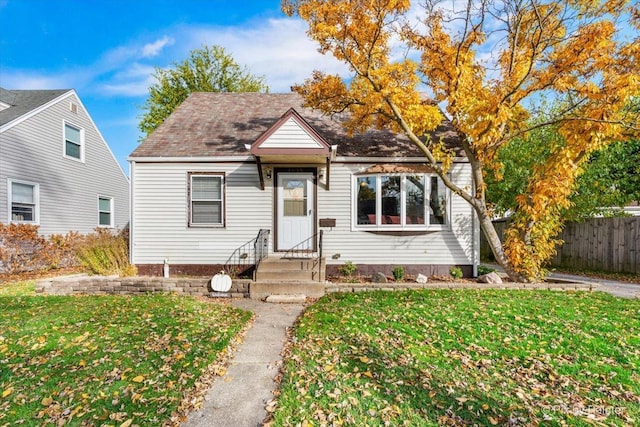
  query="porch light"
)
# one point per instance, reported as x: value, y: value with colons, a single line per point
x: 267, y: 173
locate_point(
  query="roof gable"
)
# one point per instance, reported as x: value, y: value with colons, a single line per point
x: 291, y: 134
x: 22, y: 104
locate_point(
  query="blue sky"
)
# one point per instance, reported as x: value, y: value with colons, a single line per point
x: 107, y: 50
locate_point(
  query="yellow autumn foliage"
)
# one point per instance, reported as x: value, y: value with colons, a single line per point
x: 486, y: 64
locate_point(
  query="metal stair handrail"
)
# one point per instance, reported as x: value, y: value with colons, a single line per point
x: 249, y: 253
x: 306, y: 248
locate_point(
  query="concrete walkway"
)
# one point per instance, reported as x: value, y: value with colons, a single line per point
x: 613, y: 287
x: 239, y: 397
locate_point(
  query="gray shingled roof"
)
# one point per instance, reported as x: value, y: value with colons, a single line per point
x: 23, y: 101
x: 220, y: 124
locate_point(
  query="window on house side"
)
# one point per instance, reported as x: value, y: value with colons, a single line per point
x: 24, y: 202
x: 105, y: 211
x: 206, y: 202
x: 72, y: 142
x: 401, y: 201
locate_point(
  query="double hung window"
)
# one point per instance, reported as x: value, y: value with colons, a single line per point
x: 23, y: 202
x: 206, y: 202
x: 73, y: 144
x: 105, y: 211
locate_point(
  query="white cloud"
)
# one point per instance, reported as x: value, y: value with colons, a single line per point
x: 279, y: 49
x: 32, y: 80
x: 150, y: 50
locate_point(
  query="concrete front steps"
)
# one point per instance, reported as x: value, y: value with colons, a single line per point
x: 291, y: 279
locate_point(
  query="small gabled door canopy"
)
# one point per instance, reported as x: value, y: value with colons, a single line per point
x: 291, y: 140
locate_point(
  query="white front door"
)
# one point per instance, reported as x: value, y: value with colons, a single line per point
x: 295, y: 222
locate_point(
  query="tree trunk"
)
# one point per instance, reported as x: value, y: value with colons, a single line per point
x: 495, y: 244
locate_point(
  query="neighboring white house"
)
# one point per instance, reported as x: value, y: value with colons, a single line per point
x: 56, y: 170
x: 225, y: 165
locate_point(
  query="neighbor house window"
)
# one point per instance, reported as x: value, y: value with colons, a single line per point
x: 400, y: 201
x: 206, y: 199
x: 105, y: 211
x: 23, y: 200
x: 73, y: 146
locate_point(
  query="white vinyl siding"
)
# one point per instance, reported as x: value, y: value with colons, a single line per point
x: 73, y: 142
x: 161, y: 231
x: 290, y: 135
x: 160, y: 226
x: 105, y: 211
x: 206, y: 200
x: 23, y: 202
x: 32, y: 151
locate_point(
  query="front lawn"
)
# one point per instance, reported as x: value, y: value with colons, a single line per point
x: 106, y: 360
x: 462, y: 357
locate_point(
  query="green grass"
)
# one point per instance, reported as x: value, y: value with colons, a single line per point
x: 461, y: 357
x: 106, y: 360
x: 15, y: 289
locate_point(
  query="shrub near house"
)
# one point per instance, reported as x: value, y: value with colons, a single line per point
x: 23, y: 249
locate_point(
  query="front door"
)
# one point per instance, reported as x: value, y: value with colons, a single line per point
x: 296, y: 211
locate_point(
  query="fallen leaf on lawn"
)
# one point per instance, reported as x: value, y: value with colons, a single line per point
x: 126, y: 423
x: 46, y: 401
x: 138, y: 379
x: 7, y: 392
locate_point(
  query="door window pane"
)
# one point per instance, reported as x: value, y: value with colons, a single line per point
x: 294, y: 197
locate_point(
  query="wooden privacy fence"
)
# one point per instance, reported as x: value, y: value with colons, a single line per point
x: 605, y: 244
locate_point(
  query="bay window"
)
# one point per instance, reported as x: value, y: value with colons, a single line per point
x: 400, y: 201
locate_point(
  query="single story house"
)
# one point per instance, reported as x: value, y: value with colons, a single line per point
x: 224, y: 166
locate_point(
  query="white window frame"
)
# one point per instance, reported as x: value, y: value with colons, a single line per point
x: 111, y: 211
x: 36, y: 197
x: 66, y: 124
x: 402, y: 225
x: 190, y: 198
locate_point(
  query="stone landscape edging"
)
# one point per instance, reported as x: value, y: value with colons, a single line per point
x: 114, y: 285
